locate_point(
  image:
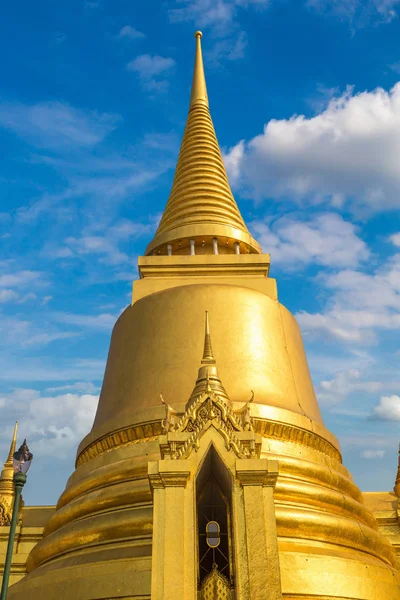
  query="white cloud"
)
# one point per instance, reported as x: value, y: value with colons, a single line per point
x: 344, y: 383
x: 233, y: 161
x: 388, y: 408
x: 23, y: 280
x: 8, y: 296
x: 106, y: 246
x: 129, y: 32
x: 395, y: 239
x: 96, y: 244
x: 26, y: 297
x: 18, y: 332
x: 347, y: 153
x: 371, y: 454
x: 55, y: 125
x: 360, y: 305
x: 152, y: 71
x: 20, y: 278
x: 326, y: 240
x: 54, y: 424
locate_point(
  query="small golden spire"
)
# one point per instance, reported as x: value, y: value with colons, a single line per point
x: 7, y: 491
x: 396, y: 488
x: 199, y: 87
x: 208, y: 356
x: 12, y: 445
x: 208, y: 379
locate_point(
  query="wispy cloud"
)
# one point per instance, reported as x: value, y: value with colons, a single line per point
x: 100, y: 322
x: 130, y: 33
x: 219, y: 15
x: 8, y: 296
x: 361, y: 304
x: 84, y: 387
x: 45, y: 370
x: 372, y: 454
x: 152, y: 71
x: 334, y: 391
x: 358, y: 12
x: 325, y: 240
x: 20, y: 279
x: 55, y: 125
x: 16, y: 286
x: 222, y: 19
x: 22, y: 333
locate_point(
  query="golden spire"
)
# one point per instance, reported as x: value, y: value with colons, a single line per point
x: 208, y: 378
x: 396, y: 488
x: 201, y: 206
x: 8, y: 465
x: 7, y: 492
x: 208, y: 356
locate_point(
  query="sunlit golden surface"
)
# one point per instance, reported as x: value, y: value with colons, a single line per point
x: 125, y: 526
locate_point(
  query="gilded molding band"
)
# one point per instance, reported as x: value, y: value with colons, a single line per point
x: 291, y: 433
x: 145, y: 432
x: 135, y: 434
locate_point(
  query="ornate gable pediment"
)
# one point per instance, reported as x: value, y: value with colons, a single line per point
x: 183, y: 435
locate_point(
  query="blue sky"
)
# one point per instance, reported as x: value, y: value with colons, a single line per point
x: 305, y: 98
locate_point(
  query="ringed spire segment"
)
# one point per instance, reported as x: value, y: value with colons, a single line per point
x: 201, y: 213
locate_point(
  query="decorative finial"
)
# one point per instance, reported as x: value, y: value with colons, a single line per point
x: 13, y: 443
x: 208, y: 379
x: 208, y: 356
x: 7, y: 490
x: 396, y: 488
x: 199, y: 88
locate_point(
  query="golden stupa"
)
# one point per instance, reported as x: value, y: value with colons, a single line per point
x: 208, y: 473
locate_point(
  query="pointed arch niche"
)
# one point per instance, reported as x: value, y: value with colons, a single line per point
x: 182, y: 484
x: 215, y: 555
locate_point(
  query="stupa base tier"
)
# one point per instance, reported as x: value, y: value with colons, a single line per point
x: 98, y: 545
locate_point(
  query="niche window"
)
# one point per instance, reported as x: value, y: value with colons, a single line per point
x: 213, y: 490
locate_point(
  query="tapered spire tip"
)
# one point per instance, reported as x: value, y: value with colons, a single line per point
x: 13, y: 443
x: 208, y: 356
x: 199, y: 88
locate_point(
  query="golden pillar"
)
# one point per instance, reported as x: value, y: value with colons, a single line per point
x: 258, y: 481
